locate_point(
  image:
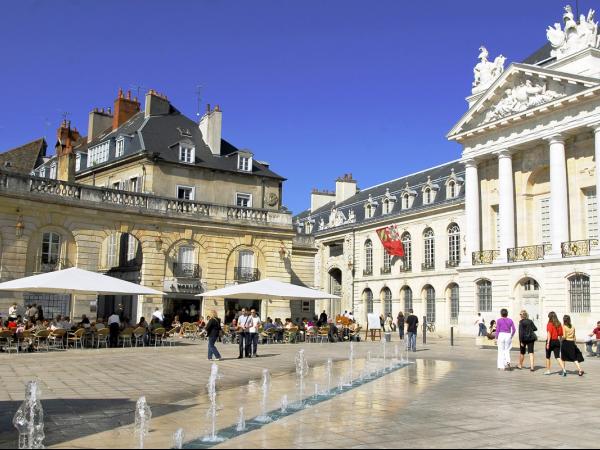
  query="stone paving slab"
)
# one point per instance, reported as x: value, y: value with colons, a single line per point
x: 451, y: 397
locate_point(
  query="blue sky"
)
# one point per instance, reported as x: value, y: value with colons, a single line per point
x: 317, y: 88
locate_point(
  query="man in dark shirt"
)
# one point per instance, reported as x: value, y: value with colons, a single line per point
x: 412, y: 324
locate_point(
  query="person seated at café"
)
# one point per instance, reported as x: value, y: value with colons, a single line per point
x: 99, y: 325
x: 85, y: 322
x: 176, y: 324
x: 13, y: 323
x: 56, y: 323
x: 67, y: 324
x: 155, y: 324
x: 332, y: 334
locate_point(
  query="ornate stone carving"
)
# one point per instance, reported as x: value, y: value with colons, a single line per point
x: 522, y: 97
x: 575, y: 36
x: 486, y: 72
x: 336, y: 218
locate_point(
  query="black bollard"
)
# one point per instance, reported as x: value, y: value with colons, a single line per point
x: 424, y: 329
x: 452, y: 336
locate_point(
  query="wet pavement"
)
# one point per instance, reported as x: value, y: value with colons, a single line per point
x: 448, y: 397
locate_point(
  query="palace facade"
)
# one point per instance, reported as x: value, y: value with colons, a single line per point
x: 524, y: 223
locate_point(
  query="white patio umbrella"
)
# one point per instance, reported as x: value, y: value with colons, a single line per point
x: 76, y: 281
x: 268, y: 289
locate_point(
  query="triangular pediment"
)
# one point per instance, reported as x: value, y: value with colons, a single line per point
x: 520, y: 89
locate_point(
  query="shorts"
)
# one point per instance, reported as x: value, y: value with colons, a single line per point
x: 527, y: 347
x: 553, y: 348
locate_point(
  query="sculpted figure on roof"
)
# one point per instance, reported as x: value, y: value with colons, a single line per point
x: 575, y: 36
x: 486, y: 72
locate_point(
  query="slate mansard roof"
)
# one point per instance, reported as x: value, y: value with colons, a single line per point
x: 437, y: 176
x: 25, y: 158
x: 160, y: 136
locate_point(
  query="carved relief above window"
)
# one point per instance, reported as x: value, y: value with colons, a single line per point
x: 408, y: 196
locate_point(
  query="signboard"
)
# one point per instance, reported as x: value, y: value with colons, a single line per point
x: 373, y: 321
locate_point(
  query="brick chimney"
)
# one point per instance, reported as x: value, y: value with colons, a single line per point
x: 210, y: 127
x: 68, y: 138
x: 125, y: 109
x: 345, y: 187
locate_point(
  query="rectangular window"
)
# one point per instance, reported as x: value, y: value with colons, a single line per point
x: 544, y: 210
x: 43, y: 172
x: 186, y: 255
x: 120, y: 147
x: 50, y: 251
x: 186, y: 154
x: 98, y: 154
x: 78, y: 162
x: 244, y: 163
x: 112, y: 251
x: 185, y: 193
x: 51, y: 304
x: 53, y: 171
x: 243, y: 200
x: 134, y: 184
x: 116, y: 185
x: 592, y: 213
x: 132, y: 248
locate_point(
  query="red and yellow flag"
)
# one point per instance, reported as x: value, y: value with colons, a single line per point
x: 391, y: 241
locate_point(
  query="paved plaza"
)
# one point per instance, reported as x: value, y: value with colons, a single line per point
x: 450, y: 396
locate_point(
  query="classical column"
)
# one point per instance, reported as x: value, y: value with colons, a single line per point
x: 507, y: 203
x: 559, y: 204
x: 473, y: 236
x: 596, y: 129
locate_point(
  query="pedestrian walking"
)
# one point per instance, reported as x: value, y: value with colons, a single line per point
x: 569, y: 352
x: 254, y: 324
x: 213, y: 332
x: 505, y: 331
x: 527, y: 338
x: 400, y: 323
x: 412, y: 325
x: 554, y: 331
x: 243, y: 324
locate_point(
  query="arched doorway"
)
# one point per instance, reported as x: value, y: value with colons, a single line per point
x: 121, y: 258
x: 528, y: 294
x: 335, y: 288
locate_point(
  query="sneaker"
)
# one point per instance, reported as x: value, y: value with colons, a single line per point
x: 564, y: 373
x: 547, y: 372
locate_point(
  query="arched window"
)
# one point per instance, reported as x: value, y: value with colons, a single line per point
x: 484, y: 295
x: 427, y: 196
x: 406, y: 201
x: 579, y: 293
x: 454, y: 303
x: 386, y: 206
x: 246, y: 270
x: 430, y: 300
x: 406, y: 242
x: 453, y: 245
x: 369, y: 211
x: 451, y: 189
x: 429, y: 243
x: 387, y: 262
x: 50, y: 252
x: 368, y: 257
x: 368, y: 298
x: 408, y: 299
x: 386, y: 296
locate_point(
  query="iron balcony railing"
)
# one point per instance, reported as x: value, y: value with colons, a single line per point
x: 246, y: 274
x: 367, y: 272
x: 406, y: 267
x: 51, y: 266
x: 572, y: 249
x: 527, y: 253
x: 428, y: 266
x: 386, y: 270
x: 485, y: 257
x: 451, y: 263
x: 186, y: 270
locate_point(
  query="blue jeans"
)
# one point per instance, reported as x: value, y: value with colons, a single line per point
x: 212, y: 350
x: 412, y: 341
x: 589, y: 347
x: 401, y: 332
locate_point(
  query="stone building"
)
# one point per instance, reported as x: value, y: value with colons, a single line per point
x: 526, y: 202
x: 151, y: 197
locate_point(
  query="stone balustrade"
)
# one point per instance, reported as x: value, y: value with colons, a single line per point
x: 75, y: 194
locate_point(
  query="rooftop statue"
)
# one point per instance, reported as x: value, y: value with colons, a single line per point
x: 486, y: 72
x: 575, y: 36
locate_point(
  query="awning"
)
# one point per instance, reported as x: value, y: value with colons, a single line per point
x: 268, y: 289
x: 76, y: 281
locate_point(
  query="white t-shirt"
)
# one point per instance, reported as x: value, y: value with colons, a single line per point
x: 12, y: 311
x: 254, y: 323
x: 243, y: 321
x: 114, y: 319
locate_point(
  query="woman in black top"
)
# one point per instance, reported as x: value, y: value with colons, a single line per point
x: 213, y: 331
x: 527, y: 338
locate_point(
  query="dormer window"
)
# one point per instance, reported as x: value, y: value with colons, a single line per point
x: 187, y: 154
x: 388, y: 202
x: 53, y: 171
x: 245, y: 163
x: 120, y: 147
x: 429, y: 192
x: 408, y: 197
x: 370, y: 208
x: 98, y: 154
x: 78, y: 162
x: 453, y: 185
x: 386, y: 206
x: 406, y: 201
x: 43, y: 172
